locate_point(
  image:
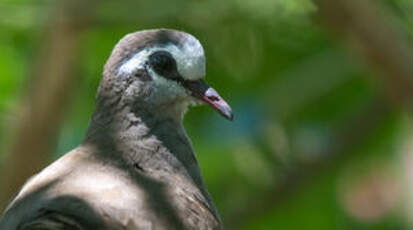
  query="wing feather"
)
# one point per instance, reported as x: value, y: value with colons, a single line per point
x: 52, y: 221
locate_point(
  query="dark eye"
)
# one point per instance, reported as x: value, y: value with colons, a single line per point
x: 162, y: 62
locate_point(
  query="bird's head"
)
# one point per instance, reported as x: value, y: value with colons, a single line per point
x: 161, y: 70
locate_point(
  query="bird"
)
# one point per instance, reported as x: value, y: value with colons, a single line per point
x: 136, y: 167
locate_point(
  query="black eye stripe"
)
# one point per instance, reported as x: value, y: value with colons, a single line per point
x: 161, y: 60
x: 164, y: 64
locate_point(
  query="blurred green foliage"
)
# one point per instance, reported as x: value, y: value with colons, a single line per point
x: 294, y: 89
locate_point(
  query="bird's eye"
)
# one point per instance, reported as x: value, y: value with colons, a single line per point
x: 162, y: 62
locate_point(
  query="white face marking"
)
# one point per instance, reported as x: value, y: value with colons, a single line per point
x: 136, y: 62
x: 190, y: 59
x: 165, y: 88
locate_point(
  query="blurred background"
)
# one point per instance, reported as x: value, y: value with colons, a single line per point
x: 321, y: 92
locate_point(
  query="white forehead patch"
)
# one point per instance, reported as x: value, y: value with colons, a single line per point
x: 190, y: 59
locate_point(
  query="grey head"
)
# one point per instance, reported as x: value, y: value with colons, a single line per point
x: 161, y: 71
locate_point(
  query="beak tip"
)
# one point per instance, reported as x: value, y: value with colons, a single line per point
x: 228, y: 115
x: 231, y: 117
x: 208, y: 95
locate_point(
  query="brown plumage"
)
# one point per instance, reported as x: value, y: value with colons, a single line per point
x: 136, y: 168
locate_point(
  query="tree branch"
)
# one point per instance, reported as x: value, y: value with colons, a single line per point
x: 382, y: 43
x: 388, y: 52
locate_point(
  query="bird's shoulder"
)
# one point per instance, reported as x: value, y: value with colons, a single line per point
x: 79, y: 191
x: 54, y: 173
x: 44, y: 200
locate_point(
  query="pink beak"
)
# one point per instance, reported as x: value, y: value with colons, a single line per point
x: 209, y: 95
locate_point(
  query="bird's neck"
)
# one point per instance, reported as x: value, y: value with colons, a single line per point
x: 144, y: 140
x: 156, y: 146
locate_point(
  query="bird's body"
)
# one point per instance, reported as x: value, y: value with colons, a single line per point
x: 136, y: 168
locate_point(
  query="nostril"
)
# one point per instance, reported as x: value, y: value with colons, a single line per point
x: 213, y: 98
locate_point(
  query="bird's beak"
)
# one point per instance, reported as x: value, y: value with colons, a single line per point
x: 206, y: 93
